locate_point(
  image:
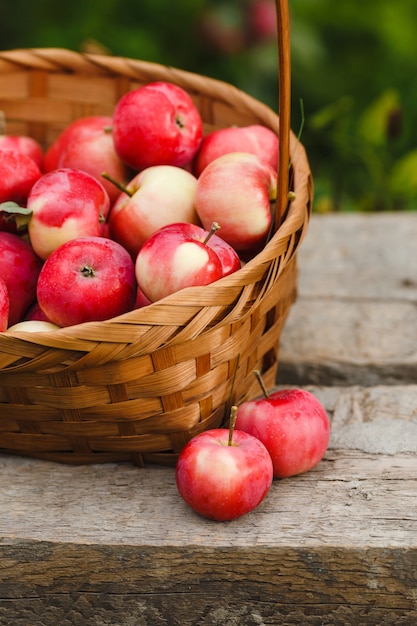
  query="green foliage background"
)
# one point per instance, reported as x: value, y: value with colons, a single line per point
x: 353, y: 74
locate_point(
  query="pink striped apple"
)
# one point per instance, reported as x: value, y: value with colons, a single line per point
x: 156, y: 196
x: 182, y: 255
x: 66, y: 204
x: 256, y: 139
x: 87, y: 144
x: 237, y: 190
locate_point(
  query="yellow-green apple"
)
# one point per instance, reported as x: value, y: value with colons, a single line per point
x: 87, y: 144
x: 66, y: 204
x: 156, y: 124
x: 86, y: 279
x: 33, y: 326
x: 223, y: 476
x: 156, y: 196
x: 256, y: 139
x: 23, y: 144
x: 237, y: 190
x: 20, y: 268
x: 18, y: 174
x: 4, y: 306
x: 292, y: 424
x: 181, y: 255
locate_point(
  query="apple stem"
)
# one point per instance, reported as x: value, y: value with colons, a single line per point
x: 117, y: 184
x: 215, y: 226
x: 261, y: 383
x: 233, y: 416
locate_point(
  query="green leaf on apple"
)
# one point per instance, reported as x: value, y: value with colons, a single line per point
x: 20, y: 215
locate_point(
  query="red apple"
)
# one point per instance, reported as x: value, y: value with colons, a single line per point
x: 292, y: 424
x: 86, y: 279
x: 87, y: 144
x: 141, y: 299
x: 23, y: 145
x: 228, y: 256
x: 256, y: 139
x: 18, y: 174
x: 155, y: 197
x: 20, y: 268
x: 223, y: 477
x: 237, y: 190
x: 4, y: 305
x: 35, y: 313
x: 65, y: 204
x: 156, y: 124
x: 178, y: 256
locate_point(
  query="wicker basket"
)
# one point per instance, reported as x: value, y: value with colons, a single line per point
x: 139, y: 386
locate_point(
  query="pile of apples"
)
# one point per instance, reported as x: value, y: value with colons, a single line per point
x: 124, y: 210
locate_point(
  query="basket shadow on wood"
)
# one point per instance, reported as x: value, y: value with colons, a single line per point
x: 138, y: 387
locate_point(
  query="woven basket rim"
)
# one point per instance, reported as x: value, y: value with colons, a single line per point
x: 61, y: 59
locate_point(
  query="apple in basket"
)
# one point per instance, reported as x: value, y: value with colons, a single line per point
x: 33, y: 326
x: 23, y: 145
x: 20, y: 268
x: 292, y: 424
x: 141, y: 299
x: 65, y: 203
x: 256, y: 139
x: 238, y: 189
x: 87, y: 144
x: 223, y: 474
x: 156, y: 196
x: 18, y: 173
x: 182, y: 255
x: 35, y: 313
x: 4, y: 306
x: 86, y: 279
x: 156, y: 124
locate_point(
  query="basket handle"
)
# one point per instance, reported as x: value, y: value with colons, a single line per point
x: 284, y: 106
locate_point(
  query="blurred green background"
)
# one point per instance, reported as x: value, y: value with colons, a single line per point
x: 354, y: 78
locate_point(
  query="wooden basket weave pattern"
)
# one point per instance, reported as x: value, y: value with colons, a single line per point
x: 139, y: 386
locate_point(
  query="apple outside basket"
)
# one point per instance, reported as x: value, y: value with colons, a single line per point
x: 138, y: 387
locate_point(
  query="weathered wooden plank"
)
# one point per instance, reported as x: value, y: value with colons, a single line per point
x: 360, y: 256
x: 203, y: 608
x: 338, y: 542
x: 355, y: 321
x: 114, y: 544
x: 333, y: 505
